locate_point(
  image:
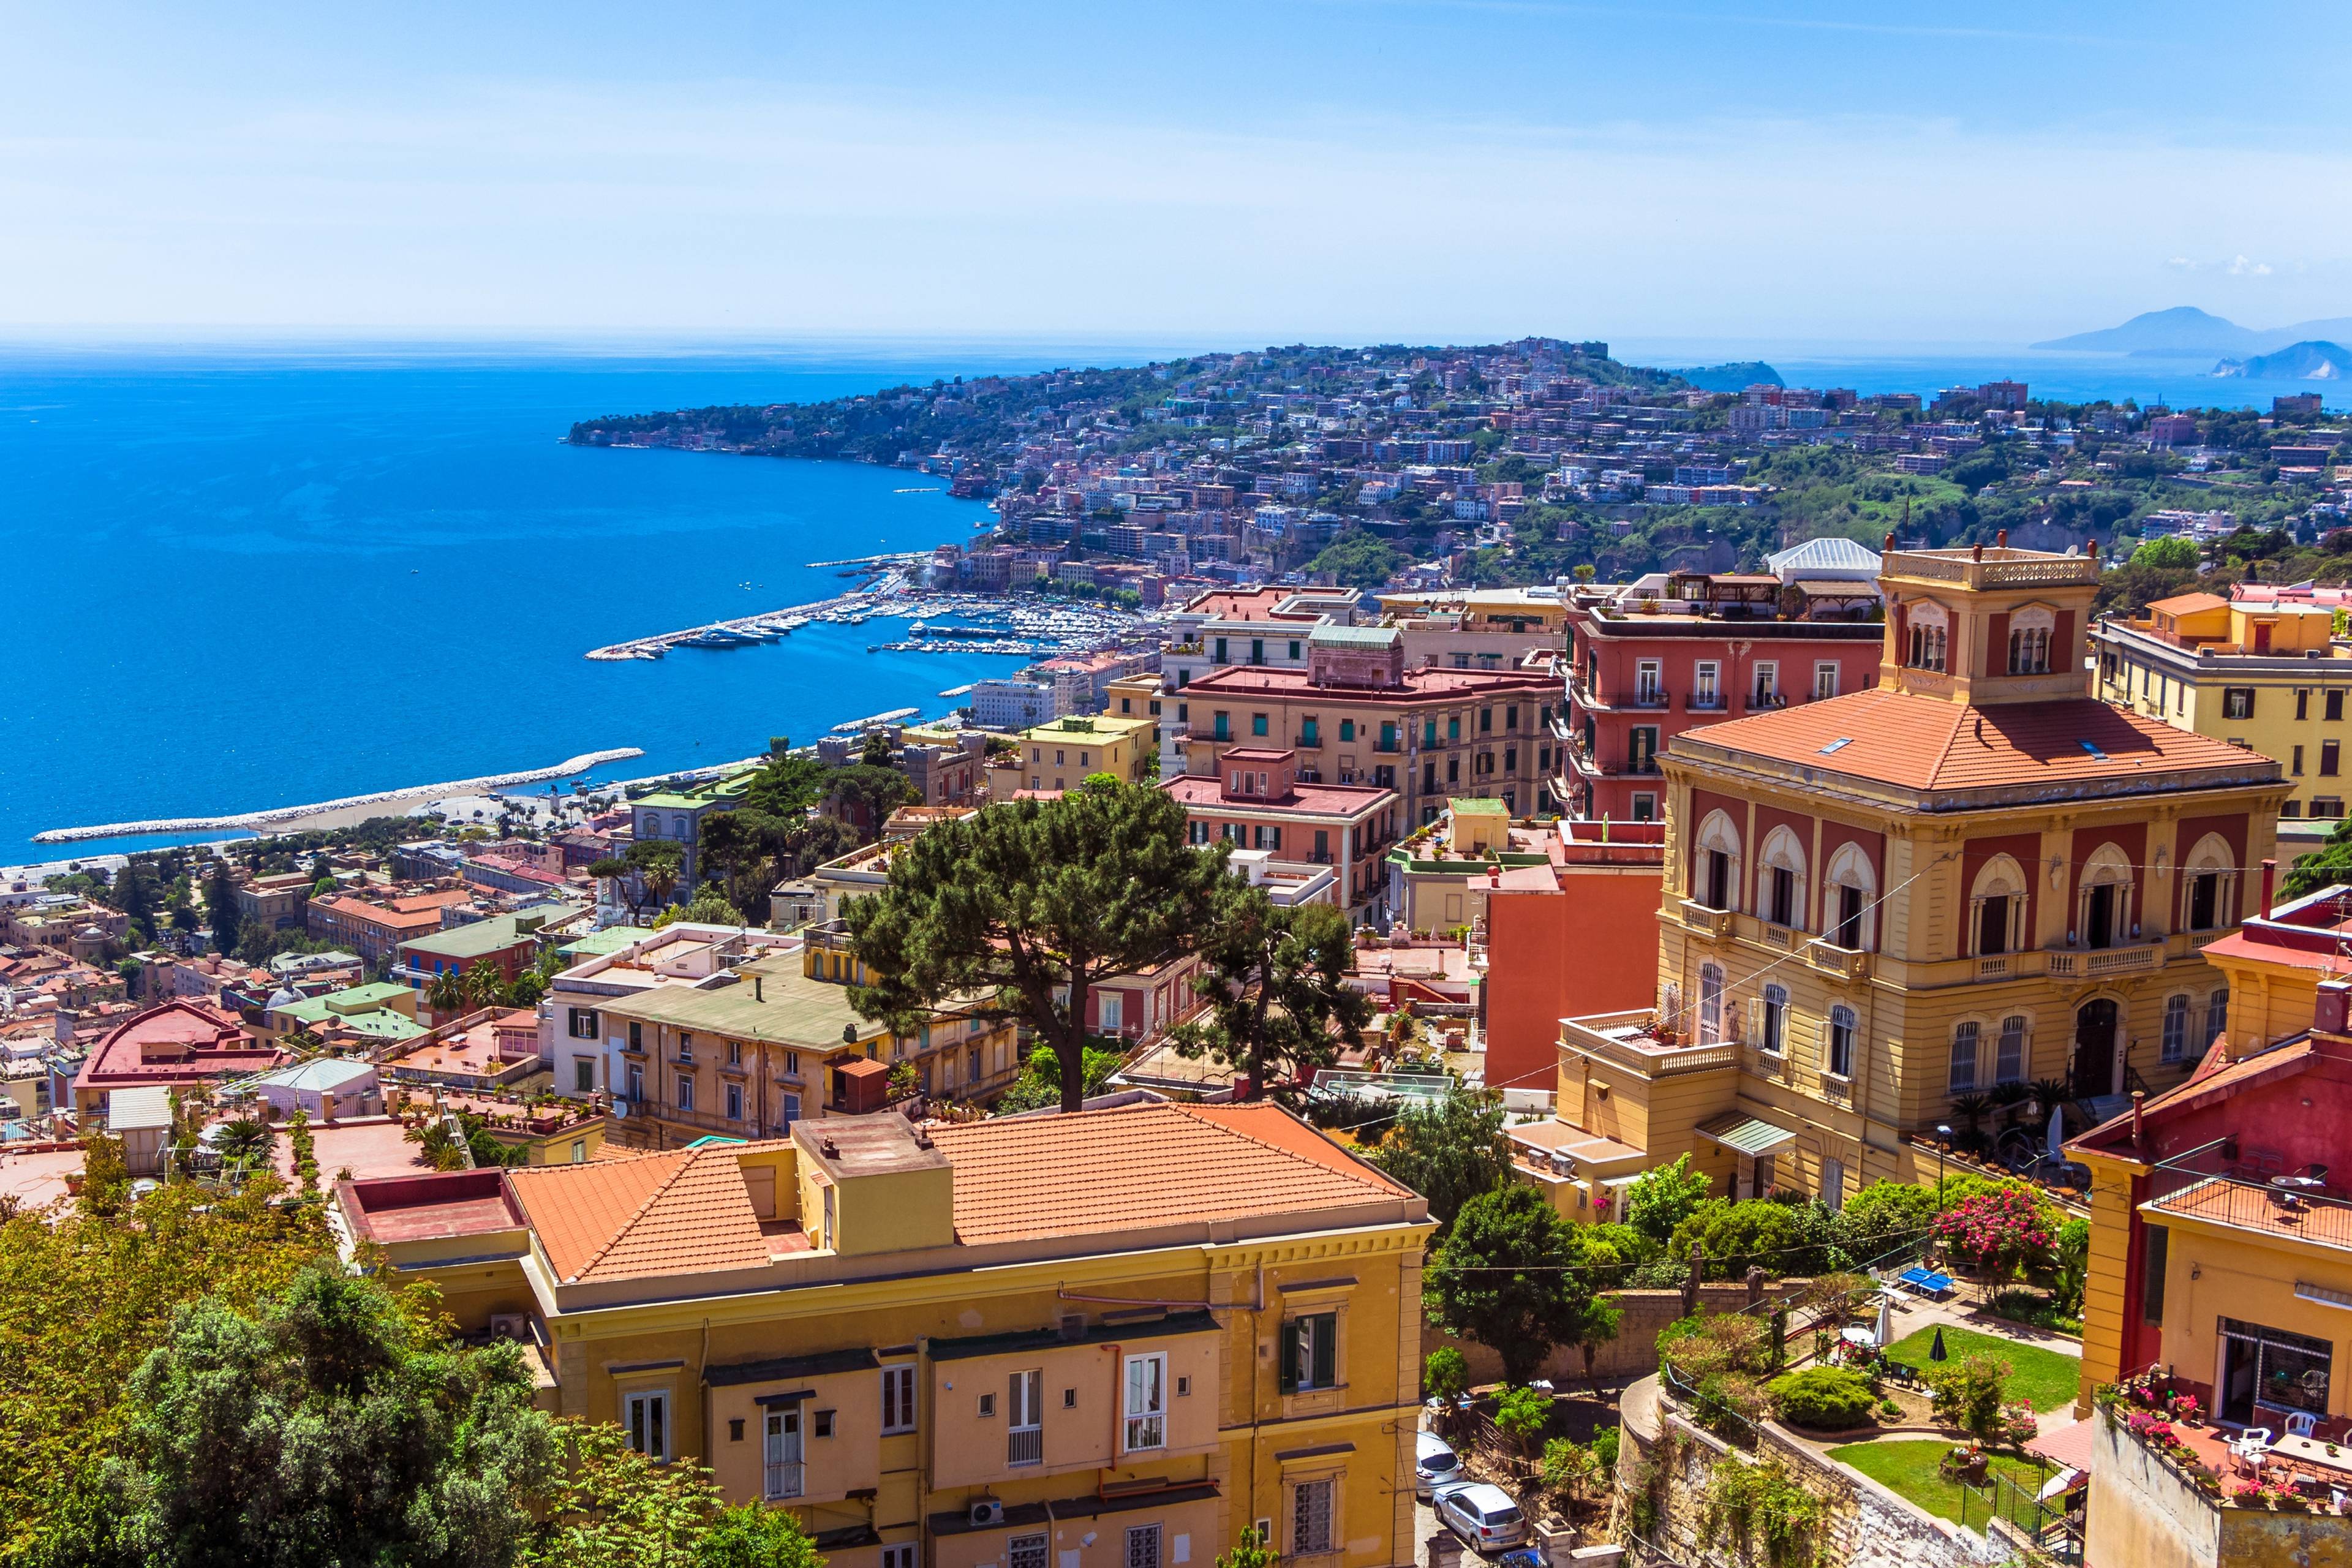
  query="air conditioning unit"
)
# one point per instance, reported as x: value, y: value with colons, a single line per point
x: 510, y: 1326
x: 987, y: 1512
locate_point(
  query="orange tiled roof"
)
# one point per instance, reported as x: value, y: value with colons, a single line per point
x: 1926, y: 744
x: 1141, y: 1165
x: 2189, y: 604
x: 673, y: 1213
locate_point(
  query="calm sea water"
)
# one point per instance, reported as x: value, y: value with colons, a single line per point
x: 237, y: 581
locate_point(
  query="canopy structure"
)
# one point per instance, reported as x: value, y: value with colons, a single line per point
x: 1743, y: 1134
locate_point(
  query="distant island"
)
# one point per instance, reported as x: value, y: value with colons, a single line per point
x: 2185, y: 331
x: 2296, y: 362
x: 1736, y: 376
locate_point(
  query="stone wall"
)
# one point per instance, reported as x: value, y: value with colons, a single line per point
x: 1864, y: 1525
x: 2144, y: 1515
x: 1634, y: 1351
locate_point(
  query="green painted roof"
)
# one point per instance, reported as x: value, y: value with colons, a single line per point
x: 1471, y: 806
x: 352, y: 1000
x: 1353, y: 637
x: 611, y: 939
x: 481, y: 937
x: 1744, y: 1135
x: 785, y: 1008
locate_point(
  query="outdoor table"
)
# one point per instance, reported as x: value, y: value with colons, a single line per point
x: 1859, y: 1334
x: 2313, y: 1452
x: 2298, y: 1184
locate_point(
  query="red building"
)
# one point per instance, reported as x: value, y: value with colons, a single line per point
x: 1575, y: 936
x: 179, y: 1044
x: 1257, y: 800
x: 1642, y: 670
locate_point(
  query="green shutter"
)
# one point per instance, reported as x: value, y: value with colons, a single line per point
x: 1289, y: 1338
x: 1326, y: 1347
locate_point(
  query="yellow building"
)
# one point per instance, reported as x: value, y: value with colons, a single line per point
x: 1879, y: 906
x: 749, y: 1053
x: 1062, y: 755
x: 2262, y: 672
x: 1109, y: 1339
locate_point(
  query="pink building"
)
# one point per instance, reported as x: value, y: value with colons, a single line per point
x: 1258, y: 801
x: 1639, y: 677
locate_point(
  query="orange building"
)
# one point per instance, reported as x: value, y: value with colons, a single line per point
x: 1572, y: 936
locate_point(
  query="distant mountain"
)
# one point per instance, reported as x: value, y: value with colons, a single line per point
x: 2186, y: 333
x: 2183, y: 330
x: 2296, y: 362
x: 1738, y: 376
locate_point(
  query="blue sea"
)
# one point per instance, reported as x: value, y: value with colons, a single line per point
x: 236, y: 577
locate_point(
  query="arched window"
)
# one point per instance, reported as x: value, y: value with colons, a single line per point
x: 1780, y: 891
x: 1963, y: 1078
x: 2176, y: 1028
x: 2209, y: 885
x: 677, y: 828
x: 1841, y: 1051
x: 1718, y: 866
x: 1710, y: 1005
x: 650, y: 827
x: 1997, y: 907
x: 1772, y: 1029
x: 2103, y: 911
x: 1853, y: 888
x: 2217, y: 1017
x: 1930, y: 631
x: 2028, y: 641
x: 2009, y: 1063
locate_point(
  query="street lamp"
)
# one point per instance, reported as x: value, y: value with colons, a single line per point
x: 1944, y: 1132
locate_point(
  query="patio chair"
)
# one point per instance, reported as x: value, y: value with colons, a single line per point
x: 2251, y: 1448
x: 2302, y: 1424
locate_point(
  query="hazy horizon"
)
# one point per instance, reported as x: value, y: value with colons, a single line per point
x: 1425, y: 171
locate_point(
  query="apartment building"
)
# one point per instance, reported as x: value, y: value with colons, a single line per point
x: 776, y: 1040
x: 1969, y: 876
x: 1108, y: 1340
x: 1059, y: 756
x: 1356, y: 715
x: 374, y: 928
x: 1683, y: 650
x: 175, y: 1045
x: 2264, y: 670
x: 573, y: 1039
x: 679, y: 814
x: 1257, y: 801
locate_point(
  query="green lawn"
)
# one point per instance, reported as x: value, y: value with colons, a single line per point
x: 1909, y: 1468
x: 2042, y: 1379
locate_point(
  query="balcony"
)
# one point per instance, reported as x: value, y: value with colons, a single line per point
x: 1767, y: 701
x: 1308, y: 741
x: 1700, y: 918
x: 785, y: 1479
x: 2076, y: 964
x: 1706, y: 703
x: 1636, y: 1040
x: 1844, y: 963
x: 1655, y: 699
x: 1836, y: 1087
x: 1025, y: 1446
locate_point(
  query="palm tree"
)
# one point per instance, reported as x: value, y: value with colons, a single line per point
x: 1970, y: 1108
x: 483, y: 984
x: 446, y: 995
x: 246, y: 1138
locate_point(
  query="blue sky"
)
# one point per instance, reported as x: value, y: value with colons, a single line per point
x: 1280, y: 169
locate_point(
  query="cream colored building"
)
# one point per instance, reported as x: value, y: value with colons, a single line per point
x: 1879, y: 905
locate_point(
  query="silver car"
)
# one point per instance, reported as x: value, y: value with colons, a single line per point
x: 1435, y: 1463
x: 1482, y: 1514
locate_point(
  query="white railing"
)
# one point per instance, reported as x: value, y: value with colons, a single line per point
x: 1025, y: 1446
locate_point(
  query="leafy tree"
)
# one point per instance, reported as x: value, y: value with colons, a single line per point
x: 876, y: 751
x: 1449, y: 1152
x: 1659, y: 1200
x: 1251, y: 1551
x: 873, y: 792
x: 1445, y: 1374
x: 1736, y: 1234
x: 333, y: 1426
x: 1276, y: 984
x: 1595, y: 1324
x: 220, y: 906
x: 656, y: 862
x: 1021, y: 910
x: 712, y: 908
x: 1506, y: 1277
x: 1040, y: 1083
x: 2071, y: 1253
x: 1882, y: 1218
x: 1522, y: 1414
x: 751, y: 1536
x: 2167, y: 554
x: 1358, y: 560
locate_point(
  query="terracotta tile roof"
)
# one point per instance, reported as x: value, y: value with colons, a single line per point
x: 1142, y: 1166
x: 1926, y: 744
x: 676, y: 1213
x: 2189, y: 604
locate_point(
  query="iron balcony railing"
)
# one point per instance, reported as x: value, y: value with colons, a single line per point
x: 1025, y: 1446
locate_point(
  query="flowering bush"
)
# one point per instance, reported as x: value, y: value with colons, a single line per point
x: 1999, y: 1229
x: 2019, y: 1426
x: 2248, y: 1492
x: 2184, y: 1408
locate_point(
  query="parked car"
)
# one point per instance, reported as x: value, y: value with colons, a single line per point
x: 1481, y: 1513
x: 1435, y: 1463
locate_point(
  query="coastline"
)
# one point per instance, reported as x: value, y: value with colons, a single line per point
x: 341, y: 813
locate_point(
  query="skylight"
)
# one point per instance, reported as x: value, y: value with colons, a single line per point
x: 1833, y: 745
x: 2094, y: 751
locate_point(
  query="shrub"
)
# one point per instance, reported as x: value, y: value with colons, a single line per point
x: 1882, y: 1218
x: 1830, y: 1398
x: 1729, y: 1404
x: 1968, y: 1395
x: 1566, y: 1466
x: 1522, y: 1414
x: 1604, y: 1448
x: 2072, y: 1266
x: 1736, y: 1234
x: 1764, y: 1506
x: 1698, y: 1348
x: 1997, y: 1230
x: 1889, y: 1411
x: 1445, y: 1374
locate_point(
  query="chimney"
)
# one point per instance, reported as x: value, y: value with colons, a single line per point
x: 2138, y: 1131
x: 759, y: 993
x: 2270, y: 874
